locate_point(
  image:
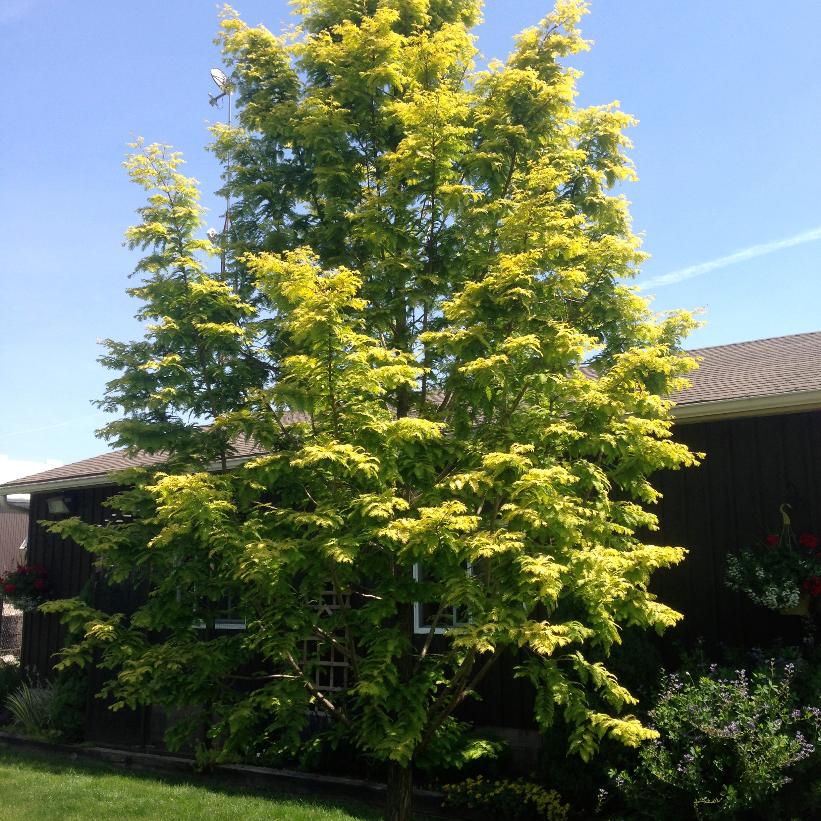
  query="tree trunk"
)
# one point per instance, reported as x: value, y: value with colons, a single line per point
x: 400, y: 793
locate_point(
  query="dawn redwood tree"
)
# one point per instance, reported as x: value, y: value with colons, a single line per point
x: 424, y: 327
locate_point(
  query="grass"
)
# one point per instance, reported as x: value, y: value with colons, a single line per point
x: 36, y: 786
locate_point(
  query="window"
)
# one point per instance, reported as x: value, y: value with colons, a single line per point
x: 225, y: 617
x: 424, y: 613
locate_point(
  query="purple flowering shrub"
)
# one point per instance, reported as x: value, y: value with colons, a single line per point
x: 727, y: 743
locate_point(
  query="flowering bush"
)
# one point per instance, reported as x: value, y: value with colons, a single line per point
x: 26, y: 587
x: 726, y: 742
x: 506, y: 799
x: 775, y: 572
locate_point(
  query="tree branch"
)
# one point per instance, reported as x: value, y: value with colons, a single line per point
x: 332, y: 709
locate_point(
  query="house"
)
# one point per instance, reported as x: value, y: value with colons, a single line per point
x: 13, y: 531
x: 754, y: 408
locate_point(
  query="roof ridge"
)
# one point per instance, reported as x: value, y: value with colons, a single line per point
x: 115, y: 461
x: 754, y: 341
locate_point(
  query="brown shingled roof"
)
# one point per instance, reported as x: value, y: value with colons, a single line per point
x: 763, y: 367
x: 112, y: 462
x: 780, y: 366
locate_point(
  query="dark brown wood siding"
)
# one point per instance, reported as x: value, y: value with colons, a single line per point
x: 68, y: 566
x: 751, y: 467
x: 505, y: 701
x: 70, y: 571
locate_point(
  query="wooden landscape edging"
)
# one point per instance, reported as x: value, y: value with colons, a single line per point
x: 290, y: 781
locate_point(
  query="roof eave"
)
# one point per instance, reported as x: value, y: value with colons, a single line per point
x: 796, y: 402
x: 94, y: 480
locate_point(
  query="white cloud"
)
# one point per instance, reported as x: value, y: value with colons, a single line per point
x: 17, y: 468
x: 731, y: 259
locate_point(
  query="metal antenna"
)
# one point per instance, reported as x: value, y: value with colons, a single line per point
x: 224, y: 85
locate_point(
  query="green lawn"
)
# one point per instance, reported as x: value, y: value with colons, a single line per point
x: 35, y: 787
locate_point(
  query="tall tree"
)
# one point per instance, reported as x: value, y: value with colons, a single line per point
x: 426, y: 327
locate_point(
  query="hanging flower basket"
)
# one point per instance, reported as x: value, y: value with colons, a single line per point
x: 25, y: 588
x: 782, y: 572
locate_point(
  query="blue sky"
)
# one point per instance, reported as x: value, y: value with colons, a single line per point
x: 727, y: 95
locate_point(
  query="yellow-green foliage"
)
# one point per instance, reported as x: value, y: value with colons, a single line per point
x: 507, y: 799
x: 424, y: 326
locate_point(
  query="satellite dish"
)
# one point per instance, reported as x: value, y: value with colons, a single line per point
x: 218, y: 76
x: 223, y: 84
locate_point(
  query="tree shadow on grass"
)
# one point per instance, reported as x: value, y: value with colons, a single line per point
x: 61, y: 765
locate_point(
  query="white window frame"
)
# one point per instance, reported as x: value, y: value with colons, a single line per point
x: 419, y: 627
x: 220, y: 624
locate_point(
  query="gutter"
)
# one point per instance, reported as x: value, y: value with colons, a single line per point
x: 797, y: 402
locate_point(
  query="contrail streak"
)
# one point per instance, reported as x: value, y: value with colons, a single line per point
x: 65, y: 424
x: 739, y: 256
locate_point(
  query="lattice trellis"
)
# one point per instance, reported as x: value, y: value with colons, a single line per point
x: 322, y: 656
x: 11, y: 632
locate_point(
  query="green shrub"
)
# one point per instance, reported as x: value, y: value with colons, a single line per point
x: 637, y: 663
x: 460, y: 748
x: 54, y: 710
x: 11, y: 677
x: 67, y: 708
x: 506, y: 799
x: 727, y: 744
x: 30, y: 708
x: 584, y: 784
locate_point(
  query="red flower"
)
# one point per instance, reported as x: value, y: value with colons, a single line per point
x: 9, y: 588
x: 39, y: 584
x: 808, y: 540
x: 813, y: 586
x: 772, y: 540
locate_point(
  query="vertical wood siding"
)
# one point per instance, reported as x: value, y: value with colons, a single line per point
x: 751, y: 467
x: 68, y: 566
x: 70, y: 569
x: 13, y: 529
